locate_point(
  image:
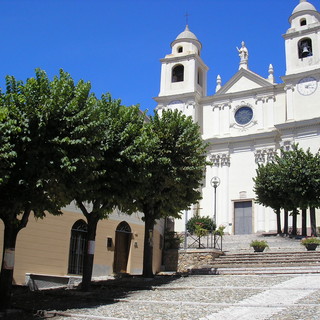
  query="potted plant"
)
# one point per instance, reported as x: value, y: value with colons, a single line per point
x: 310, y: 243
x: 259, y: 245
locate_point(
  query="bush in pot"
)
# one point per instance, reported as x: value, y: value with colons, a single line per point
x: 310, y: 243
x: 259, y: 245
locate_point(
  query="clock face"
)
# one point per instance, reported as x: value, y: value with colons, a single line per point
x: 307, y: 86
x: 243, y: 115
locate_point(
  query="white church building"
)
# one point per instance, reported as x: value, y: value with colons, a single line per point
x: 248, y: 119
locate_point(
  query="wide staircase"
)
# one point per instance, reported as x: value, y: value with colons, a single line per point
x: 284, y: 256
x: 267, y: 263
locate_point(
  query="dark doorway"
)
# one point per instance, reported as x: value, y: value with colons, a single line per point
x: 122, y: 247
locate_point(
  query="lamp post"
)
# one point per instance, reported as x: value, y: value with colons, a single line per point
x: 215, y: 181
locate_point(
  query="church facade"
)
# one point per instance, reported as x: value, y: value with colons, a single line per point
x: 248, y: 119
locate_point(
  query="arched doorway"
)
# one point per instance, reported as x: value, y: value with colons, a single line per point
x: 77, y: 247
x: 122, y: 247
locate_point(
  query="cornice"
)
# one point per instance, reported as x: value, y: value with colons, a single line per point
x: 298, y: 124
x: 300, y: 33
x: 246, y: 94
x: 182, y: 57
x: 273, y: 133
x: 182, y: 96
x: 299, y: 75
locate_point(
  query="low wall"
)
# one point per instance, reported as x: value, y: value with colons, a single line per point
x: 184, y: 260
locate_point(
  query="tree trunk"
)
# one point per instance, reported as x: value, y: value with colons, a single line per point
x: 314, y: 232
x: 279, y: 231
x: 148, y: 245
x: 294, y: 223
x: 304, y: 222
x: 12, y: 226
x: 286, y: 222
x: 89, y: 252
x: 6, y: 276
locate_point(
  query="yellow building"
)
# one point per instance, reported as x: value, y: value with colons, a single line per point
x: 54, y: 246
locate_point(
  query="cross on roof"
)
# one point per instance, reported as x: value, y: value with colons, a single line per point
x: 187, y: 18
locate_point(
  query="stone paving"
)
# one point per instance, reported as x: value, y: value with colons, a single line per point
x: 217, y: 297
x: 245, y: 297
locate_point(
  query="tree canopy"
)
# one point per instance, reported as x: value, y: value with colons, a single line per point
x: 46, y: 130
x: 290, y: 182
x: 172, y: 165
x: 113, y: 183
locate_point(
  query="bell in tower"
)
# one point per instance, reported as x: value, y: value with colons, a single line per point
x: 305, y: 48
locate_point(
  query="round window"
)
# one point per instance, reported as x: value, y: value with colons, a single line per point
x: 243, y: 115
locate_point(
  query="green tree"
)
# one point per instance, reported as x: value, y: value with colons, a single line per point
x: 292, y: 181
x: 300, y: 170
x: 269, y: 189
x: 46, y: 129
x: 114, y: 183
x: 172, y: 164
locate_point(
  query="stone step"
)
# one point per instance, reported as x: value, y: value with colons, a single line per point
x: 266, y: 270
x: 266, y: 263
x: 267, y: 260
x: 273, y: 254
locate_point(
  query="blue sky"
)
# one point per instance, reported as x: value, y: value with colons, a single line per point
x: 117, y: 44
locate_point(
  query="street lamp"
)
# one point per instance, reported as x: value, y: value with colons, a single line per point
x: 215, y: 181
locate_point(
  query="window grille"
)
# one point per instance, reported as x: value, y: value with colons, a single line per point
x: 77, y: 247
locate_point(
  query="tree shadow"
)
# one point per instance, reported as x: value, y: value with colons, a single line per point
x: 101, y: 293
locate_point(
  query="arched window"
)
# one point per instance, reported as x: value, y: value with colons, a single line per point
x: 178, y: 73
x: 305, y: 48
x: 180, y: 49
x: 77, y: 247
x: 303, y: 22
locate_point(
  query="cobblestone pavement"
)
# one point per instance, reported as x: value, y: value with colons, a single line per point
x: 222, y: 297
x: 273, y: 297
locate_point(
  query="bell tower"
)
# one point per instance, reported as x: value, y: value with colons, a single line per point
x: 183, y: 70
x: 302, y: 39
x: 183, y: 76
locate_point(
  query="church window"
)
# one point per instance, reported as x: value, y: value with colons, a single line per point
x: 180, y: 49
x: 178, y: 73
x: 243, y: 115
x: 303, y: 22
x: 305, y: 48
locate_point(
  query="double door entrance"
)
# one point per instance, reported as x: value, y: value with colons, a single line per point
x: 243, y: 217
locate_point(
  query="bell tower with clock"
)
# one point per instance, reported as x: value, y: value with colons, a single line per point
x: 302, y: 40
x: 183, y: 75
x: 302, y: 43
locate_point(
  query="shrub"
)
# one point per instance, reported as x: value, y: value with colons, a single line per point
x: 310, y: 240
x: 205, y: 223
x: 259, y: 244
x: 220, y: 231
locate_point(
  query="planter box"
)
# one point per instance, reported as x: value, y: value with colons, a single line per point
x: 311, y: 246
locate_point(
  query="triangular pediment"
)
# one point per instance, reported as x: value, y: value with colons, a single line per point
x: 244, y: 80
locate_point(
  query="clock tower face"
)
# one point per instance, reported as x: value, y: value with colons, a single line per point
x: 307, y: 86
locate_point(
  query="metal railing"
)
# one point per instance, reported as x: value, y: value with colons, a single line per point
x: 205, y: 242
